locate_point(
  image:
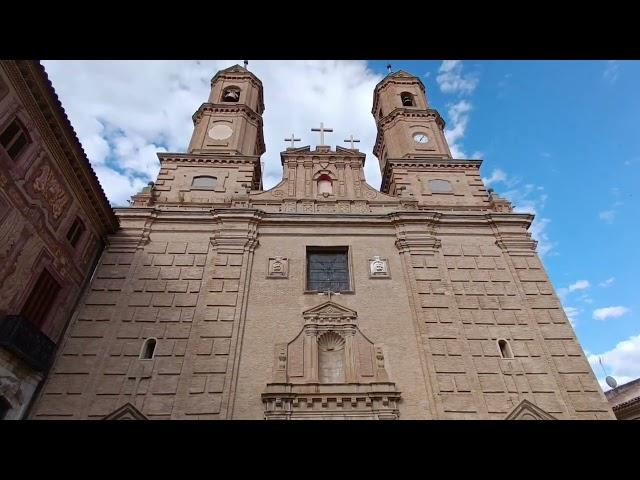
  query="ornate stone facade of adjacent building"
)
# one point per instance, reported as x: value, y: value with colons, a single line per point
x: 625, y: 400
x: 54, y: 218
x: 321, y: 298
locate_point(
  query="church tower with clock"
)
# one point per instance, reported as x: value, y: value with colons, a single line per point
x: 322, y: 297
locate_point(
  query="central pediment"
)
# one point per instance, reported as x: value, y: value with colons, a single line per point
x: 330, y: 311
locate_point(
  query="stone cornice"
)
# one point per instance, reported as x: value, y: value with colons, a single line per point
x: 233, y: 108
x: 167, y: 157
x: 339, y: 155
x: 46, y: 111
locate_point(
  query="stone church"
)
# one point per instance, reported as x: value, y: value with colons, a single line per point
x: 322, y: 297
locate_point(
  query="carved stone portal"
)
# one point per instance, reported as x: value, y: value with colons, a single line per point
x: 330, y: 370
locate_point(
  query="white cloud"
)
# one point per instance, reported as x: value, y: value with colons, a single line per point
x: 526, y: 198
x: 621, y: 362
x: 572, y: 313
x: 609, y: 312
x: 496, y: 176
x: 607, y: 282
x: 608, y: 216
x: 459, y: 117
x: 126, y: 111
x: 611, y: 71
x: 451, y: 79
x: 579, y: 285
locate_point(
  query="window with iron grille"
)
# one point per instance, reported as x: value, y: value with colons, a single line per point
x: 14, y: 139
x: 75, y: 232
x: 328, y: 269
x: 43, y: 295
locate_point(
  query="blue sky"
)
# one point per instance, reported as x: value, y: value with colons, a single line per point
x: 558, y: 138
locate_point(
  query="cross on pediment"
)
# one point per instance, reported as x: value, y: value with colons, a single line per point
x: 352, y: 141
x: 293, y: 139
x: 322, y: 129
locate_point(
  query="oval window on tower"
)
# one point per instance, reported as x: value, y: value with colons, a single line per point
x: 205, y: 182
x: 440, y: 186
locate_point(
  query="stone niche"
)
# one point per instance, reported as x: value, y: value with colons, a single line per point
x: 330, y: 371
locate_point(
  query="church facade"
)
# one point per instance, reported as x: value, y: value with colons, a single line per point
x: 321, y: 298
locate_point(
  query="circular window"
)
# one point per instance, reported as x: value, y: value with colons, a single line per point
x: 220, y: 132
x: 420, y: 138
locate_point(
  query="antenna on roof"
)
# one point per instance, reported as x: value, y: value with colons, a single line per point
x: 610, y: 380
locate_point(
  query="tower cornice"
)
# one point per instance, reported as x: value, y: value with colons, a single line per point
x: 404, y: 112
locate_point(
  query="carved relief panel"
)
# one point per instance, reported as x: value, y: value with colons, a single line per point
x: 278, y: 267
x: 378, y: 267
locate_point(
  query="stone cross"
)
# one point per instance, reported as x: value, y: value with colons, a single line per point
x: 322, y: 130
x: 352, y: 140
x: 246, y: 62
x: 389, y: 67
x: 292, y: 140
x: 329, y: 292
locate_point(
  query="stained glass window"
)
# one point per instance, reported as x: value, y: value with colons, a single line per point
x: 327, y: 269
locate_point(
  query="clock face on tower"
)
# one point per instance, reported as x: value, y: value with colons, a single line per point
x: 420, y: 138
x: 220, y: 132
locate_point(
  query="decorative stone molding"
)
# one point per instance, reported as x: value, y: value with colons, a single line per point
x: 526, y: 410
x: 379, y: 268
x: 235, y: 230
x: 278, y: 267
x: 330, y: 370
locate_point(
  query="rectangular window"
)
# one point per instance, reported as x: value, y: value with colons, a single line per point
x: 328, y: 269
x: 75, y: 232
x: 14, y: 139
x: 43, y: 295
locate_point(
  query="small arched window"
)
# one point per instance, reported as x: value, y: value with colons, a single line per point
x: 407, y: 99
x: 325, y: 185
x: 14, y: 138
x: 148, y: 349
x: 205, y: 182
x: 231, y: 94
x: 440, y: 186
x: 505, y: 349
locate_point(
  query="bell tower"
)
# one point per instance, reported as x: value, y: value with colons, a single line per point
x: 231, y: 121
x: 407, y: 127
